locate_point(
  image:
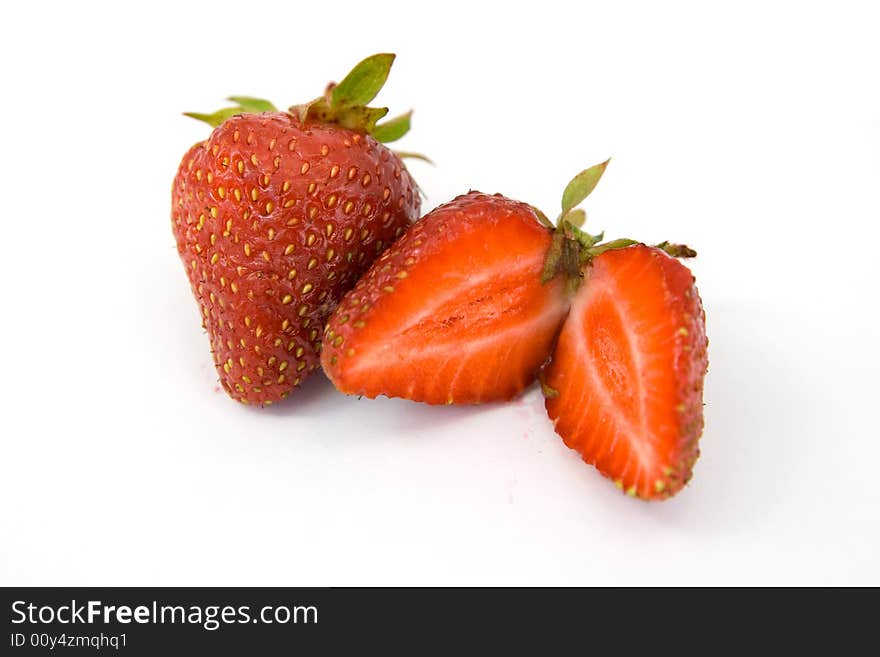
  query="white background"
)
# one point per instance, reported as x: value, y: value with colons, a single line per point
x: 751, y: 131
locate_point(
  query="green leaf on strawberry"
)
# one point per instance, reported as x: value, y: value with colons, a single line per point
x: 581, y: 185
x: 250, y: 104
x: 343, y: 104
x: 393, y: 129
x: 364, y: 81
x: 216, y: 118
x: 404, y: 155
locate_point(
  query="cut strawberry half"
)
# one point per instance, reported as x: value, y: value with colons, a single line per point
x: 454, y: 311
x: 625, y: 384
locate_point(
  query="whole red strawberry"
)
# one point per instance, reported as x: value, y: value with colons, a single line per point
x: 277, y: 214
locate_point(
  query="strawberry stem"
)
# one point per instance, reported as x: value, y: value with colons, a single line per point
x: 677, y: 250
x: 553, y: 258
x: 343, y: 104
x: 571, y: 246
x: 582, y: 237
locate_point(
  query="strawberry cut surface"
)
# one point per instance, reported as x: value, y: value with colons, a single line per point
x: 453, y: 312
x: 626, y: 379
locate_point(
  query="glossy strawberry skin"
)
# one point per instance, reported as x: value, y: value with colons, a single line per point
x: 274, y: 221
x: 628, y: 371
x: 453, y: 312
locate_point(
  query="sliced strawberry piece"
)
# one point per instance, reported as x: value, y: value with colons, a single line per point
x: 453, y: 312
x: 625, y: 385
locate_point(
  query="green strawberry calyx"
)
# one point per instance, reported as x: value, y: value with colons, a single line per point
x: 571, y: 246
x: 344, y: 104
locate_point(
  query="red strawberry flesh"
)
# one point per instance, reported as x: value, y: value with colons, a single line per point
x: 628, y: 371
x: 453, y: 312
